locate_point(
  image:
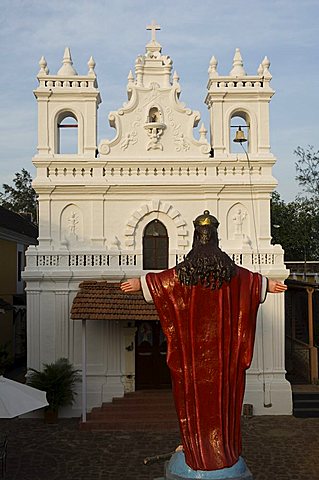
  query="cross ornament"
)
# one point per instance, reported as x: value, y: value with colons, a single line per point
x: 153, y: 27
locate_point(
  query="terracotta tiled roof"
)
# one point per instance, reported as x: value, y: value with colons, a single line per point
x: 17, y: 223
x: 106, y: 301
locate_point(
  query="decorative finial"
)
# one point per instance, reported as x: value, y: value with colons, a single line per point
x: 202, y: 133
x: 213, y: 67
x: 153, y: 27
x: 91, y: 65
x: 260, y: 70
x: 238, y: 65
x: 67, y: 68
x: 130, y: 77
x: 175, y: 78
x: 266, y: 64
x: 43, y: 66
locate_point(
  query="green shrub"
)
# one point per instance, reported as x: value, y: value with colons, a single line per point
x: 58, y: 380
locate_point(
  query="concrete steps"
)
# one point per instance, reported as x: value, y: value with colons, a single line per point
x: 145, y: 410
x: 305, y: 404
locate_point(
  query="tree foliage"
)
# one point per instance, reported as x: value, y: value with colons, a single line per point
x: 307, y: 167
x: 295, y: 226
x: 20, y: 198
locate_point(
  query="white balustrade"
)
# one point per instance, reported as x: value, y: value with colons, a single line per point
x: 114, y: 260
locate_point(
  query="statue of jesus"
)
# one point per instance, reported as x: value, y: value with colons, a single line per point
x: 207, y: 306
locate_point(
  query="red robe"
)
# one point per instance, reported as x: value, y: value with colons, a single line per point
x: 210, y: 336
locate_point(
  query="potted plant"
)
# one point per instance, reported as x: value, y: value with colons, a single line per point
x: 58, y: 380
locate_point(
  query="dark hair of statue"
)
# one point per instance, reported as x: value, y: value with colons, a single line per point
x: 206, y: 263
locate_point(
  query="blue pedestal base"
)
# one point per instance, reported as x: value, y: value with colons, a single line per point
x: 177, y: 469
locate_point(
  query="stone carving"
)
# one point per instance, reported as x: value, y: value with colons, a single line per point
x: 138, y: 118
x: 154, y: 133
x: 179, y: 139
x: 155, y: 93
x: 238, y: 225
x: 129, y: 138
x: 181, y: 143
x: 73, y: 221
x: 238, y: 220
x: 71, y: 225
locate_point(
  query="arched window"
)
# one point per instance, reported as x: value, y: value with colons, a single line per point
x: 155, y: 246
x: 239, y: 119
x: 67, y: 133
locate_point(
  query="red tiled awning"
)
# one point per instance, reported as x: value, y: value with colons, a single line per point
x: 106, y: 301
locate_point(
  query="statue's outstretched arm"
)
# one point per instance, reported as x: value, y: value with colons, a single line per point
x: 275, y: 287
x: 132, y: 285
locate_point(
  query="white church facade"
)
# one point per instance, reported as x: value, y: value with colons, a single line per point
x: 117, y: 208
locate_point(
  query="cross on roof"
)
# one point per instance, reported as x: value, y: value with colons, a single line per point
x: 153, y: 27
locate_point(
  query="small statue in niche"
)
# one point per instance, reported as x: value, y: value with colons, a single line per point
x: 73, y: 222
x: 154, y: 128
x: 238, y: 221
x: 154, y: 115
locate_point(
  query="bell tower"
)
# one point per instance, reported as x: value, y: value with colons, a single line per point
x: 239, y: 109
x: 241, y: 102
x: 67, y: 100
x: 244, y: 98
x: 67, y: 139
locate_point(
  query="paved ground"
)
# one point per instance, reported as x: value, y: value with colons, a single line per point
x: 275, y: 448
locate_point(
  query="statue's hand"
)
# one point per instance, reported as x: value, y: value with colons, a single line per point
x: 131, y: 285
x: 276, y: 287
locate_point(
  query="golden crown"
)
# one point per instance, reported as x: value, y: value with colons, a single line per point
x: 206, y: 219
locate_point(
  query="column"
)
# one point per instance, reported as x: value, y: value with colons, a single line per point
x: 45, y: 220
x: 113, y: 350
x: 313, y: 350
x: 62, y: 324
x: 33, y: 328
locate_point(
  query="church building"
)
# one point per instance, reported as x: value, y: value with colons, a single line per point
x: 117, y: 208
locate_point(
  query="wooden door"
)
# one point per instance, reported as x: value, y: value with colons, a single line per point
x: 151, y: 370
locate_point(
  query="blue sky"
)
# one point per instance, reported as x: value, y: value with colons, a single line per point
x: 114, y: 33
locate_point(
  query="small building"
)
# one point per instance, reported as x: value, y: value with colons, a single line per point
x: 302, y: 321
x: 16, y: 234
x: 303, y: 270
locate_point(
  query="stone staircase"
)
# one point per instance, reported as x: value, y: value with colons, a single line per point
x: 143, y: 410
x: 305, y: 401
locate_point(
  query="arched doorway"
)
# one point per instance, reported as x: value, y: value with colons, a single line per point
x: 151, y: 370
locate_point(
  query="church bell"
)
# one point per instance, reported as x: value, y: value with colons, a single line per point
x: 240, y: 136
